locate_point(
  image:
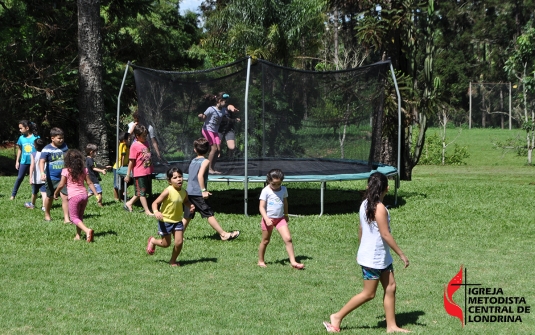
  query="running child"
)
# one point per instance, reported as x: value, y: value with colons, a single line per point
x: 197, y: 188
x: 170, y: 216
x: 25, y: 148
x: 52, y: 159
x: 374, y: 256
x: 35, y: 175
x: 93, y: 169
x: 73, y: 176
x: 141, y: 165
x: 274, y: 210
x: 123, y: 151
x: 212, y: 118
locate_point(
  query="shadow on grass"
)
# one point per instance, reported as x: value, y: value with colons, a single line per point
x: 302, y: 201
x: 105, y: 233
x: 193, y: 261
x: 402, y: 320
x: 286, y: 261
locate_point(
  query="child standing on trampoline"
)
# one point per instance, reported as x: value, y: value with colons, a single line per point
x: 170, y: 215
x: 374, y: 256
x: 274, y: 210
x: 212, y: 118
x: 197, y: 188
x: 73, y: 175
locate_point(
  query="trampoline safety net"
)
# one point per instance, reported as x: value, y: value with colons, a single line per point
x: 303, y: 122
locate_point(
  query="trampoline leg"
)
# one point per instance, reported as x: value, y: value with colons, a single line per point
x: 396, y: 191
x: 321, y: 197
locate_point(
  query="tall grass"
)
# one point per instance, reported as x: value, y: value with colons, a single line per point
x: 479, y: 215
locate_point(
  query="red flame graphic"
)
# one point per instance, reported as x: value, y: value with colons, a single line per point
x: 451, y: 307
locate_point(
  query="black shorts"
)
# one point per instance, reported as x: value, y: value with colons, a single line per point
x: 201, y: 206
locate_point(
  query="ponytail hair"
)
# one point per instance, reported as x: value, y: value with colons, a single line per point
x: 31, y: 125
x: 214, y: 99
x: 377, y: 184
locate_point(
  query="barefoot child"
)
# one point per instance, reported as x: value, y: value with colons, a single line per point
x: 374, y: 256
x: 170, y: 216
x: 35, y: 175
x: 197, y: 188
x: 93, y: 169
x: 141, y: 165
x: 73, y: 175
x: 274, y: 210
x: 52, y: 159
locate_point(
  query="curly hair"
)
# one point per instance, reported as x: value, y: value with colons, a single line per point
x: 75, y: 163
x: 377, y: 184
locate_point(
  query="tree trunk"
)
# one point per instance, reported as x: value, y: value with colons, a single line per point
x: 91, y: 124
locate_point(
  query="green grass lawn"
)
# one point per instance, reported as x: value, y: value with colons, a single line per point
x: 480, y: 215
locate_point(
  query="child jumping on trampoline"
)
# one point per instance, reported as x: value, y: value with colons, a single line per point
x: 274, y: 210
x: 197, y: 188
x: 374, y: 257
x: 170, y: 216
x: 212, y: 119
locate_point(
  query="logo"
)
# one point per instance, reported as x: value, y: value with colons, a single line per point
x: 482, y: 304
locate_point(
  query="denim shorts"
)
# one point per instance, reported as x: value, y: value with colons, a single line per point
x: 374, y: 274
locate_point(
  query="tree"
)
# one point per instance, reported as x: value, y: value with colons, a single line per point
x: 521, y: 65
x: 91, y: 125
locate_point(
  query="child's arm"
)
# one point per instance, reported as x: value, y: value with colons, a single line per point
x: 92, y: 187
x: 99, y: 170
x: 32, y: 168
x: 286, y: 217
x: 262, y: 210
x: 156, y: 204
x: 381, y: 217
x: 129, y: 169
x: 61, y: 184
x: 200, y: 177
x: 17, y: 161
x: 42, y: 168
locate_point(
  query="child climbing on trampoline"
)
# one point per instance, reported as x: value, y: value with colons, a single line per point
x: 274, y: 210
x: 212, y: 119
x: 374, y: 256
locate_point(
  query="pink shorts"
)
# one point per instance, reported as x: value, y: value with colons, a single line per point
x: 277, y: 223
x: 211, y: 137
x: 77, y: 206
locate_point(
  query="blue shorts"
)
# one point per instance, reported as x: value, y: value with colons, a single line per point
x: 36, y: 188
x: 374, y: 274
x: 166, y: 228
x: 97, y: 187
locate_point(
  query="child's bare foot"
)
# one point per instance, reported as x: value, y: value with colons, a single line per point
x: 149, y: 213
x: 77, y: 238
x: 90, y: 236
x: 298, y: 266
x: 262, y: 264
x: 396, y: 329
x: 335, y: 322
x: 174, y: 263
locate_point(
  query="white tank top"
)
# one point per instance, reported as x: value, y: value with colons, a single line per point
x: 373, y: 251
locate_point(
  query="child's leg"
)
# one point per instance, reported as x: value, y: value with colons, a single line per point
x: 224, y: 235
x: 77, y: 207
x: 88, y: 232
x: 389, y: 302
x: 99, y: 200
x: 130, y: 203
x: 179, y: 241
x: 284, y: 231
x: 367, y: 294
x: 23, y: 169
x: 164, y: 242
x: 212, y: 156
x: 266, y: 237
x: 145, y: 205
x: 48, y: 204
x: 65, y: 207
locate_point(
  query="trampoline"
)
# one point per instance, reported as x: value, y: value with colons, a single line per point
x: 327, y: 131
